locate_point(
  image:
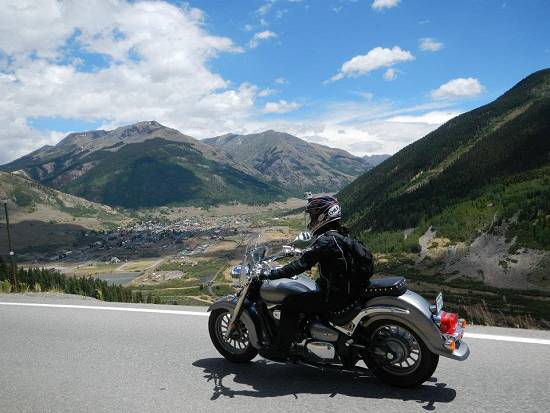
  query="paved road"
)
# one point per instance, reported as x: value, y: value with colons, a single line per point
x: 91, y: 360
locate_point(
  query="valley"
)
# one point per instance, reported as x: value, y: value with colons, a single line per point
x: 465, y: 210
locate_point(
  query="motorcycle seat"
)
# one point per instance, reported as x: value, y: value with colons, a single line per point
x: 388, y: 286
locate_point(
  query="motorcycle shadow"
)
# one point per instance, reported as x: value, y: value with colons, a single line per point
x: 267, y: 379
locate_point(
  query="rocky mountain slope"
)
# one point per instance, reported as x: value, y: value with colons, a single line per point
x: 485, y: 173
x: 144, y: 165
x: 292, y: 162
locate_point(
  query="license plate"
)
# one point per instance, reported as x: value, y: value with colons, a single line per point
x: 439, y: 303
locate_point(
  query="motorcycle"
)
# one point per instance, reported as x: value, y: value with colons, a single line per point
x: 393, y: 330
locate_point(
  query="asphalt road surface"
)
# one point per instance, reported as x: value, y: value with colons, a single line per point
x: 160, y: 359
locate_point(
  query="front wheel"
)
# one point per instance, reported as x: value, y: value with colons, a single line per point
x: 397, y: 356
x: 236, y: 347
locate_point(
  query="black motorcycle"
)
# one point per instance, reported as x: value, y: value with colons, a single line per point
x: 393, y: 330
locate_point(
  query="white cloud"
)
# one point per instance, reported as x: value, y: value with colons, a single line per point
x: 362, y: 127
x: 280, y: 13
x: 431, y: 118
x: 282, y: 106
x: 265, y: 8
x: 281, y: 81
x: 390, y: 74
x: 260, y: 37
x: 157, y: 67
x: 458, y: 88
x: 376, y: 58
x: 266, y: 92
x: 430, y: 45
x: 383, y: 4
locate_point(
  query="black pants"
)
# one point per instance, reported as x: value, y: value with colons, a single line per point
x: 309, y: 303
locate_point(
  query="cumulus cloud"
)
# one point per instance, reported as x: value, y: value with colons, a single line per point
x: 384, y: 4
x: 266, y: 92
x: 376, y: 58
x: 260, y: 37
x: 430, y: 45
x: 282, y: 106
x: 265, y: 8
x: 155, y: 58
x: 459, y: 88
x: 390, y: 74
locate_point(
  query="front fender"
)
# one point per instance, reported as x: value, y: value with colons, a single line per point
x: 249, y: 316
x: 412, y: 310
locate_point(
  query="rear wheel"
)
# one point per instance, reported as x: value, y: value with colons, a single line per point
x: 397, y: 356
x: 236, y: 347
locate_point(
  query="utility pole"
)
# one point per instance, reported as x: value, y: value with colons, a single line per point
x: 12, y: 254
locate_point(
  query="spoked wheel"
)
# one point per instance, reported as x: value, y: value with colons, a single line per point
x: 397, y: 356
x: 236, y: 347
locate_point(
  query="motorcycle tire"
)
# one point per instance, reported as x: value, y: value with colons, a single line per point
x: 427, y: 361
x: 224, y: 347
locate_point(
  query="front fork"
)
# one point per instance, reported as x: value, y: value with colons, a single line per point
x: 238, y: 310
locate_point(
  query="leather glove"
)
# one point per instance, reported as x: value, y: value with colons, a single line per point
x: 265, y: 274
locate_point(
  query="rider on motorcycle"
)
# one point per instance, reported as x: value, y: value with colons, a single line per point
x: 335, y: 259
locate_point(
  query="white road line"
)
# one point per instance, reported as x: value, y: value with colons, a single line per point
x: 96, y: 307
x: 205, y: 314
x: 507, y: 338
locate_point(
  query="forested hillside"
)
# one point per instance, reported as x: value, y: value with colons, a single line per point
x: 491, y: 162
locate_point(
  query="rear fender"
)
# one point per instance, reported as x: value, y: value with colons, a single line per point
x: 249, y: 316
x: 413, y: 311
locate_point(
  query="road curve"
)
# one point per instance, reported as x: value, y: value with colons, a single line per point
x: 159, y: 358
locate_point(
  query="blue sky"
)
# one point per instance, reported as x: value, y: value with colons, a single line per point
x: 369, y: 76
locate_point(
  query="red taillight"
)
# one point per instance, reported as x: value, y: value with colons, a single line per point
x: 448, y: 322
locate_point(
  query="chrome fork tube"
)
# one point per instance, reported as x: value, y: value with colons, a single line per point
x: 237, y: 311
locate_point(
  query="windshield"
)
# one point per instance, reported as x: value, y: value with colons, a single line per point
x: 253, y: 255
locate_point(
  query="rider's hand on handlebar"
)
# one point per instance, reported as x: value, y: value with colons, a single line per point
x: 264, y: 274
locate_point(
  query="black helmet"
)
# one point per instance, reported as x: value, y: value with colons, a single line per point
x: 321, y: 211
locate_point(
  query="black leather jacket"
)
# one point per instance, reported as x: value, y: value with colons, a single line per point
x: 328, y: 251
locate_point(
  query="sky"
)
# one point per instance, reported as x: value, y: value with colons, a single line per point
x: 367, y: 76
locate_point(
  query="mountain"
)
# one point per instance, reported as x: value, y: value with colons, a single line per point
x: 291, y: 162
x: 144, y: 165
x: 375, y: 160
x: 482, y: 179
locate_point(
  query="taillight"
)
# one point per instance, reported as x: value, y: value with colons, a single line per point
x: 448, y: 322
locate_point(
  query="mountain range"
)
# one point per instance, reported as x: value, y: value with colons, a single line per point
x: 291, y: 162
x: 147, y: 164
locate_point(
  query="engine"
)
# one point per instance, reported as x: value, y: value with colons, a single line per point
x: 323, y: 337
